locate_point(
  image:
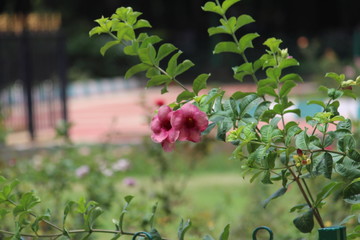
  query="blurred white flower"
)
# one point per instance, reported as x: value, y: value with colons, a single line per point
x: 121, y: 165
x: 129, y: 181
x: 82, y: 171
x: 107, y: 172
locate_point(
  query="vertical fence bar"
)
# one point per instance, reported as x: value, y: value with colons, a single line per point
x: 62, y: 62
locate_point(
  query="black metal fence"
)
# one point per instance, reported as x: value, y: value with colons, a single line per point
x: 32, y: 80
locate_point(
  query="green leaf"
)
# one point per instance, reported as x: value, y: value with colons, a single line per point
x: 158, y: 80
x: 200, y: 83
x: 243, y: 20
x: 227, y: 4
x: 273, y: 44
x: 317, y: 102
x: 96, y: 30
x: 338, y: 78
x: 108, y: 45
x: 286, y: 88
x: 328, y: 163
x: 275, y: 195
x: 354, y: 155
x: 212, y: 7
x: 183, y: 228
x: 352, y: 192
x: 334, y: 93
x: 261, y: 108
x: 243, y: 70
x: 248, y: 103
x: 124, y: 211
x: 136, y: 69
x: 266, y: 177
x: 288, y: 62
x: 185, y: 95
x: 326, y: 191
x: 184, y: 66
x: 225, y: 234
x: 299, y: 207
x: 218, y: 30
x: 302, y: 141
x: 245, y: 41
x: 172, y: 65
x: 164, y: 51
x: 305, y: 222
x: 291, y: 76
x: 226, y: 47
x: 142, y: 23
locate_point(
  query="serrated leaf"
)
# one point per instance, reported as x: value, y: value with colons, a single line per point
x: 136, y: 69
x: 275, y: 195
x: 305, y: 222
x: 200, y: 83
x: 164, y: 51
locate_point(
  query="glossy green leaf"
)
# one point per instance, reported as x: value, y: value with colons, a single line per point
x: 164, y: 51
x: 245, y: 41
x: 226, y: 47
x: 248, y: 103
x: 261, y: 108
x: 275, y: 195
x: 227, y: 4
x: 136, y: 69
x: 305, y: 222
x: 200, y: 83
x: 212, y: 7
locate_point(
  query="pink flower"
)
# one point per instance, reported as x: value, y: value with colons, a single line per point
x: 190, y: 122
x: 163, y: 132
x: 129, y: 181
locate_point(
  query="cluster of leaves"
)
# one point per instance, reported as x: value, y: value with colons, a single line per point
x: 256, y: 122
x: 29, y: 224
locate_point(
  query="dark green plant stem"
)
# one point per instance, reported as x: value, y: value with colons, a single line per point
x: 308, y: 202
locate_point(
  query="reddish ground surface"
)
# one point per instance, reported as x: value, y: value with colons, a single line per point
x: 123, y: 116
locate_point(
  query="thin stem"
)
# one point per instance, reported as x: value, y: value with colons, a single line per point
x: 34, y: 215
x: 308, y: 202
